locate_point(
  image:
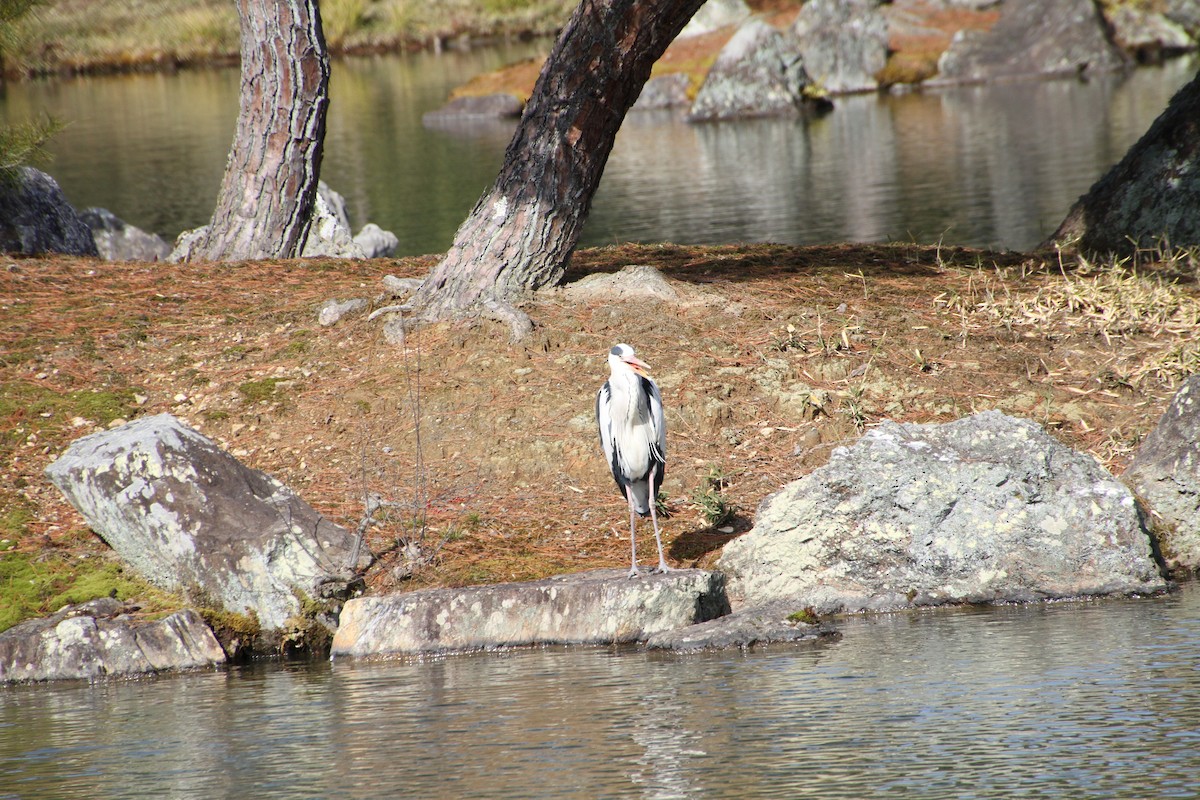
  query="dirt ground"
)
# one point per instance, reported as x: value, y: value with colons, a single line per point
x: 484, y: 453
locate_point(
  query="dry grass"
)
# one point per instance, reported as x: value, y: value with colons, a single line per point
x: 484, y: 452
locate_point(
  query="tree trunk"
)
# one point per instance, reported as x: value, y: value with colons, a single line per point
x: 521, y: 233
x: 265, y: 205
x: 1152, y: 197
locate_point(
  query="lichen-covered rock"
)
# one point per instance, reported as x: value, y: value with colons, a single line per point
x: 1165, y: 472
x: 714, y: 15
x: 36, y: 218
x: 984, y: 509
x: 117, y: 240
x: 329, y: 235
x: 598, y: 607
x: 1147, y: 34
x: 100, y: 638
x: 1032, y: 38
x: 758, y: 73
x: 375, y: 242
x: 844, y: 43
x: 189, y: 517
x: 664, y: 91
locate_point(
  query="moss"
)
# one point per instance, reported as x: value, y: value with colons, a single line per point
x: 805, y: 616
x: 259, y: 390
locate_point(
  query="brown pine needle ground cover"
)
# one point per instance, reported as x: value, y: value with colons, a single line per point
x: 481, y: 456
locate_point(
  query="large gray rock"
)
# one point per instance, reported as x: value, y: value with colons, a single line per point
x: 1146, y: 34
x: 598, y: 607
x: 1032, y: 38
x: 189, y: 517
x: 116, y: 240
x: 36, y: 218
x: 99, y: 639
x: 664, y: 91
x: 375, y: 242
x: 329, y: 235
x: 984, y: 509
x: 758, y: 73
x: 844, y: 43
x: 1165, y: 472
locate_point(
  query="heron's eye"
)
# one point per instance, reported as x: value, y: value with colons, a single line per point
x: 616, y: 351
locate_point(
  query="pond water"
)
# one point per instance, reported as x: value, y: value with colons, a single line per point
x: 992, y: 166
x: 1094, y: 699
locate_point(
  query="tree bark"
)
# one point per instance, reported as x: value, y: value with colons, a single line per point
x: 1151, y: 198
x: 522, y: 231
x: 264, y: 208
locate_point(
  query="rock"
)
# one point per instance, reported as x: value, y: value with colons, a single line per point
x: 597, y: 607
x: 1165, y: 473
x: 490, y: 106
x: 332, y: 311
x: 189, y: 517
x: 36, y: 218
x: 1147, y: 35
x: 1032, y: 38
x: 375, y: 242
x: 1185, y: 13
x: 984, y: 509
x: 664, y: 91
x: 634, y: 282
x: 758, y: 73
x: 99, y: 639
x: 117, y: 240
x: 714, y: 15
x: 844, y: 43
x: 185, y: 242
x: 400, y: 287
x: 762, y: 625
x: 329, y: 236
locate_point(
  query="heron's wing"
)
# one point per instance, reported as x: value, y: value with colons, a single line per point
x: 604, y: 421
x: 658, y: 445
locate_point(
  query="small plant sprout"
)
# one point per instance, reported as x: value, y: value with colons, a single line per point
x: 709, y: 498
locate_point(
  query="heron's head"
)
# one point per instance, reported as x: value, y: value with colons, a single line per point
x: 622, y: 354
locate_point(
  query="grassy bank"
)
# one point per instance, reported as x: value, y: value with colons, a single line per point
x: 68, y: 36
x: 770, y: 357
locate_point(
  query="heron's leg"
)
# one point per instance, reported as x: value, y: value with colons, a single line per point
x: 633, y: 570
x: 662, y: 562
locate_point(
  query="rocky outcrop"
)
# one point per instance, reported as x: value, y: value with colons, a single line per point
x: 598, y: 607
x: 984, y: 509
x: 190, y: 518
x: 36, y: 218
x: 757, y: 74
x: 474, y: 107
x: 102, y: 638
x: 774, y: 623
x: 664, y: 91
x: 375, y: 242
x: 116, y: 240
x: 1032, y: 38
x: 843, y: 43
x: 1147, y: 35
x: 1165, y: 472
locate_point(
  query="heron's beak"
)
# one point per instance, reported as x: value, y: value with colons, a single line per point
x: 639, y: 366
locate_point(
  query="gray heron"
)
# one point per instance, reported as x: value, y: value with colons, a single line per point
x: 633, y: 435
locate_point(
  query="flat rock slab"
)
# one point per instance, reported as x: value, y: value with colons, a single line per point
x: 746, y: 628
x: 99, y: 639
x: 597, y: 607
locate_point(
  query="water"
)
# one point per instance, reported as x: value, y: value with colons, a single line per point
x: 992, y: 166
x: 1083, y: 700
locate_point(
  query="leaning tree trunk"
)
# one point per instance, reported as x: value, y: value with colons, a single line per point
x: 265, y: 205
x: 522, y: 231
x: 1152, y: 197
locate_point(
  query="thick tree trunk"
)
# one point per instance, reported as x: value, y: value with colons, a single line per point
x: 265, y: 205
x: 1152, y: 197
x: 521, y: 232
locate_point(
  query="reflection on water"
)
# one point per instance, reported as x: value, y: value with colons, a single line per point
x: 1098, y: 699
x: 994, y: 166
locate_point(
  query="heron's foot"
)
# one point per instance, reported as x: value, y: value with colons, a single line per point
x: 662, y: 568
x: 634, y: 571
